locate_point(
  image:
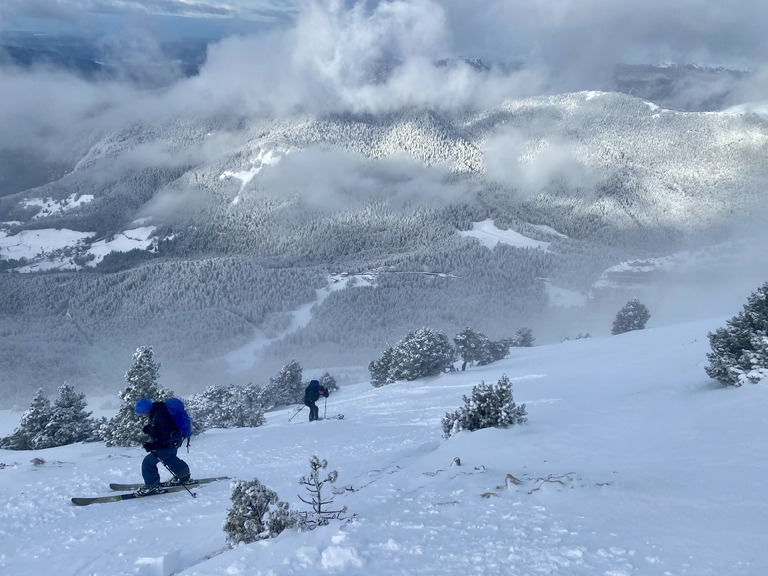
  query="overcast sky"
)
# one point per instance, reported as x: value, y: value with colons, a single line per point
x: 719, y: 32
x: 367, y: 56
x: 86, y: 16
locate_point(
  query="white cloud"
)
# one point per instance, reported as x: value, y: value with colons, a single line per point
x: 333, y: 179
x: 530, y: 164
x: 379, y: 57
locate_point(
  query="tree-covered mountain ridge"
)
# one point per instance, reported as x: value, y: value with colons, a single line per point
x: 613, y: 156
x: 251, y: 215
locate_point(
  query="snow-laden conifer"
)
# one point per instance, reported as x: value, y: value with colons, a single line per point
x: 229, y: 406
x: 472, y: 347
x: 740, y: 350
x: 30, y: 435
x: 379, y: 369
x: 423, y: 352
x: 632, y: 316
x: 491, y: 406
x: 256, y: 514
x: 523, y: 338
x: 475, y: 347
x: 328, y: 382
x: 496, y: 350
x: 285, y: 387
x: 69, y: 422
x: 125, y: 429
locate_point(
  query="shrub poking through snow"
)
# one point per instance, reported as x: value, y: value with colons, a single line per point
x: 321, y: 514
x: 491, y: 406
x: 256, y: 514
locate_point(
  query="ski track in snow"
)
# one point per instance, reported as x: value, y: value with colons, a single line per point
x: 632, y: 462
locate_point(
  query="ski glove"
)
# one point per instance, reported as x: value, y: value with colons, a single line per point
x: 149, y: 446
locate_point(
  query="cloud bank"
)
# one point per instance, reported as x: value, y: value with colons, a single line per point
x: 372, y: 57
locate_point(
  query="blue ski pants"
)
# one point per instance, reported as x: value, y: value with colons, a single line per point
x: 167, y: 456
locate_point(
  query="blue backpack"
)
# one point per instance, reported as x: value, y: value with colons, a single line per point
x: 181, y: 419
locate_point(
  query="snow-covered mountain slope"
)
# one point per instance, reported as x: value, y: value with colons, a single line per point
x: 607, y: 156
x: 599, y: 166
x: 236, y: 205
x: 632, y: 462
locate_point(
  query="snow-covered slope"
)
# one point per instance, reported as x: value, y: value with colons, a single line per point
x: 598, y: 179
x: 632, y: 462
x: 584, y: 163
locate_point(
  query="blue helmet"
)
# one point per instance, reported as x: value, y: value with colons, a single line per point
x: 143, y: 406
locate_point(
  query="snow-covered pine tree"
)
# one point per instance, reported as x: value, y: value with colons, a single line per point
x: 208, y: 409
x: 757, y: 359
x: 491, y: 406
x: 632, y: 316
x: 328, y: 382
x: 125, y: 429
x: 472, y: 347
x: 523, y: 338
x: 379, y: 369
x: 69, y: 421
x: 229, y: 406
x: 423, y: 352
x: 253, y: 406
x: 284, y: 388
x: 497, y: 350
x: 30, y: 435
x: 740, y: 350
x: 256, y: 514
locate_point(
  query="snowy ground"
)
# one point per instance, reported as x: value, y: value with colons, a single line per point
x: 633, y: 462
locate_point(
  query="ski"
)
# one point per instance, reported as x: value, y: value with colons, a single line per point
x: 194, y: 482
x: 334, y: 417
x: 165, y: 489
x: 119, y: 497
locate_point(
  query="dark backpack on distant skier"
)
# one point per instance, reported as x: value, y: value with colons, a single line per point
x: 181, y: 419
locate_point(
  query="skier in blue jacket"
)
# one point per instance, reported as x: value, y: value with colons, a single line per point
x: 162, y: 448
x: 311, y: 395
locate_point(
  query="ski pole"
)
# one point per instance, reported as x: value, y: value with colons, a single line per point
x: 297, y: 411
x: 174, y: 475
x: 325, y: 407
